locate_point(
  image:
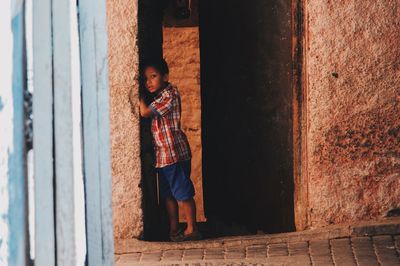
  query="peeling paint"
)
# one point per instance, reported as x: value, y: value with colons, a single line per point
x: 1, y: 104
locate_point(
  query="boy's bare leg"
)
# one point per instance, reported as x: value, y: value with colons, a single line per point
x: 189, y: 209
x: 172, y: 210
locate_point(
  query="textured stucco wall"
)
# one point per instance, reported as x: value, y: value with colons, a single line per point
x: 181, y: 51
x: 353, y: 73
x: 353, y: 104
x: 125, y: 139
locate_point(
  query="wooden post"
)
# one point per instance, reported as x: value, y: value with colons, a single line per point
x: 63, y: 136
x: 14, y: 244
x: 299, y: 89
x: 96, y: 132
x: 43, y: 133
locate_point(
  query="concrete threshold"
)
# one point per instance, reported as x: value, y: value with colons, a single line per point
x: 387, y: 226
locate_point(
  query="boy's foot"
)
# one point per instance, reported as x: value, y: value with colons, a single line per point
x: 177, y: 236
x: 195, y: 235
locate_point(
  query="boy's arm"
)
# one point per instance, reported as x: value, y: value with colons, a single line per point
x: 133, y: 102
x: 145, y: 111
x: 163, y: 105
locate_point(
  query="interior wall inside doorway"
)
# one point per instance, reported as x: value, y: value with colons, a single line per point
x: 182, y: 52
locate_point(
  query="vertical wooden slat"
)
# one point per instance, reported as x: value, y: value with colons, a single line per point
x: 13, y: 192
x: 18, y: 212
x: 96, y: 137
x: 43, y: 133
x: 63, y: 136
x: 299, y: 107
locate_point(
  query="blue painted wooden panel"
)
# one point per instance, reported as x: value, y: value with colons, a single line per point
x: 43, y: 133
x: 63, y: 136
x: 97, y: 151
x: 14, y: 243
x: 18, y: 214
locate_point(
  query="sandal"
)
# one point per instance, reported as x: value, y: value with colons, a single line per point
x: 196, y: 235
x: 177, y: 237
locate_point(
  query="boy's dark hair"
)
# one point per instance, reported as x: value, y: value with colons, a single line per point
x: 158, y: 63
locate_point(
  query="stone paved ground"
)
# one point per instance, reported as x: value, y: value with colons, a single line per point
x: 376, y: 250
x: 368, y: 245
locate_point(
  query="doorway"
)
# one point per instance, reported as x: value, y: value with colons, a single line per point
x: 246, y: 111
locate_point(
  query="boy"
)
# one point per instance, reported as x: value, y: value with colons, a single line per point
x: 173, y: 155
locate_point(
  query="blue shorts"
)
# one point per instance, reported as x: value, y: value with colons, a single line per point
x: 175, y: 181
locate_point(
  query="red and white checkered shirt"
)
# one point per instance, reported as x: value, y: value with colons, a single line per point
x: 170, y: 143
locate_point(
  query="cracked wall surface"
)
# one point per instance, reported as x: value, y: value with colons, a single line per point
x: 353, y: 73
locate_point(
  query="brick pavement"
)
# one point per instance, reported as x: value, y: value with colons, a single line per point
x: 373, y: 245
x: 377, y: 250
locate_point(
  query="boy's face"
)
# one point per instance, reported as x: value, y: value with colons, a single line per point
x: 154, y: 81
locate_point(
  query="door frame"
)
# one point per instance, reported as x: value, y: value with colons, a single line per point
x: 299, y: 115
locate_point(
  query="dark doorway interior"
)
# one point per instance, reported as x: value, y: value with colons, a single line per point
x: 150, y: 15
x: 246, y: 73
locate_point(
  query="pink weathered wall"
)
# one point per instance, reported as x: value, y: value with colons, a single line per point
x: 182, y: 52
x: 353, y: 87
x: 352, y: 72
x: 125, y: 137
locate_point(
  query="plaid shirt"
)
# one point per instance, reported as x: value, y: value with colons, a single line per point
x: 170, y: 143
